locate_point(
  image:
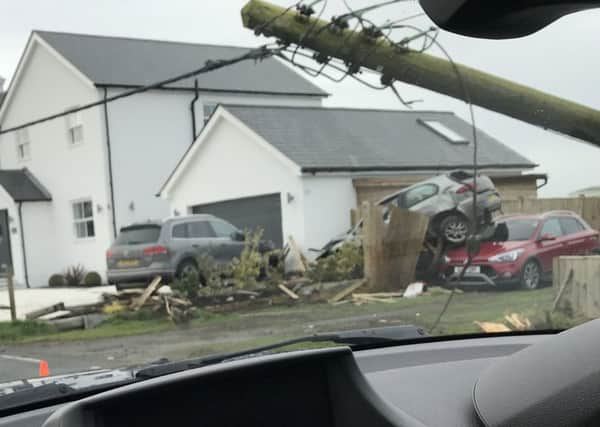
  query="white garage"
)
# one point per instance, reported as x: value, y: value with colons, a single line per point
x: 291, y: 170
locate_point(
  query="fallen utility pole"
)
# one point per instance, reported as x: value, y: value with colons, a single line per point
x: 423, y: 70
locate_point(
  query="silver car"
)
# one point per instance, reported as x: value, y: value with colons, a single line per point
x: 169, y: 248
x: 447, y: 199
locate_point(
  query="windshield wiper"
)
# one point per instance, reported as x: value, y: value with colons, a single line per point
x: 357, y: 339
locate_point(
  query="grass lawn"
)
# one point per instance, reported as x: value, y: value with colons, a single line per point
x: 464, y: 309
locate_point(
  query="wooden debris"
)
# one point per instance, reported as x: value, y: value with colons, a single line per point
x: 46, y: 310
x: 492, y: 327
x: 518, y: 322
x: 294, y: 247
x: 288, y: 292
x: 345, y: 292
x: 154, y: 284
x: 361, y: 298
x: 380, y: 295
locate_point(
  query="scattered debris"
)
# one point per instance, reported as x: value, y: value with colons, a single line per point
x: 346, y: 292
x: 414, y: 289
x: 492, y: 327
x: 518, y: 322
x: 154, y: 284
x: 289, y: 293
x: 46, y: 310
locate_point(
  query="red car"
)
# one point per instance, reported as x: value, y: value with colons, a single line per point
x: 521, y: 250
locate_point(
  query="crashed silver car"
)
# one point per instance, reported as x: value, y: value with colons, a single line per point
x: 447, y: 199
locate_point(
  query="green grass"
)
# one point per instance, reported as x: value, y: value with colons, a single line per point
x: 464, y: 309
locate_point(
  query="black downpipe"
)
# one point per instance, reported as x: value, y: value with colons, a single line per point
x: 19, y: 210
x: 193, y: 110
x: 110, y: 170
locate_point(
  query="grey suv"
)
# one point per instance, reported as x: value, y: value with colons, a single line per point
x: 170, y: 248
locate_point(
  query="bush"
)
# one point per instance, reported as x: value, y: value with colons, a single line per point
x: 92, y: 279
x: 57, y: 281
x: 74, y: 275
x: 246, y: 270
x: 344, y: 264
x: 188, y: 285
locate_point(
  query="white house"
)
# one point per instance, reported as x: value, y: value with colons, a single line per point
x: 98, y: 170
x: 296, y: 170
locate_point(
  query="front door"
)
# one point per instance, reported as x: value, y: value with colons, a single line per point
x: 5, y: 253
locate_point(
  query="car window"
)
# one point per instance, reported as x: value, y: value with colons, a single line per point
x: 552, y: 227
x: 222, y: 228
x: 419, y: 194
x: 514, y: 230
x: 200, y: 230
x: 136, y: 235
x: 180, y: 231
x: 571, y: 225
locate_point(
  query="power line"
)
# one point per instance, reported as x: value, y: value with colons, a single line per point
x: 257, y: 54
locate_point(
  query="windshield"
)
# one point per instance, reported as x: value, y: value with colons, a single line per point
x: 138, y: 235
x: 258, y: 155
x: 515, y: 230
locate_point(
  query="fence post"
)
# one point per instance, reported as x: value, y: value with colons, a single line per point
x: 11, y: 293
x: 391, y: 248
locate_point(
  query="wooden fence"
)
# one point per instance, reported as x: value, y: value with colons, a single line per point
x: 391, y: 248
x: 576, y: 285
x: 586, y: 207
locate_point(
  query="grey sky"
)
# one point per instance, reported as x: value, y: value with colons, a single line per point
x: 561, y: 59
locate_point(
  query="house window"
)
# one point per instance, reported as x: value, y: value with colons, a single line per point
x: 444, y: 131
x: 83, y: 219
x: 23, y: 144
x: 75, y: 128
x: 208, y: 109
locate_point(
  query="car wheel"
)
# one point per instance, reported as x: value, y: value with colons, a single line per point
x: 187, y: 268
x: 531, y: 275
x: 455, y: 229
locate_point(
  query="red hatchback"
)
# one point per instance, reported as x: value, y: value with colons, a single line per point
x: 521, y: 250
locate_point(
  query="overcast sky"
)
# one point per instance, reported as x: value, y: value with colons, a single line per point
x: 562, y: 59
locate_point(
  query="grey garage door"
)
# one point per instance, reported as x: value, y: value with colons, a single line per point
x: 250, y: 213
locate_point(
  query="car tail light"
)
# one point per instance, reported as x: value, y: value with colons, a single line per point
x: 109, y: 254
x: 464, y: 189
x: 156, y: 250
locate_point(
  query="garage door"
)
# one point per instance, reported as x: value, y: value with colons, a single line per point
x: 250, y: 213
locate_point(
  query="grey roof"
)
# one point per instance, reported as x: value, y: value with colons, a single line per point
x: 22, y: 186
x: 134, y: 62
x: 330, y: 139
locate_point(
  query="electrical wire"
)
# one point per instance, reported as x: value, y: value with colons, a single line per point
x: 257, y: 54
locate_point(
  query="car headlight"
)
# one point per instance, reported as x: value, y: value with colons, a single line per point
x: 510, y: 256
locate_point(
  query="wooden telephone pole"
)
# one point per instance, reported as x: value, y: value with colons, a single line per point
x: 429, y: 72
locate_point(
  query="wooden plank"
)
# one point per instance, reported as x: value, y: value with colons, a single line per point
x: 380, y: 295
x: 391, y: 248
x: 46, y: 310
x: 287, y: 291
x: 492, y: 327
x: 347, y: 291
x: 154, y: 284
x: 294, y: 247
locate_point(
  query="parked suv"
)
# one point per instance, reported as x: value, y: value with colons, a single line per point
x: 521, y: 250
x: 170, y: 248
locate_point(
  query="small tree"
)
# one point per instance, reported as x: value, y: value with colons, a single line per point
x: 74, y: 275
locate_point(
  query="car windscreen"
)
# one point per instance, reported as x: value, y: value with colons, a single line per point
x: 138, y: 235
x: 514, y: 230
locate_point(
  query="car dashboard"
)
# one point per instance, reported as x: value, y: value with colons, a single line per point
x: 427, y: 384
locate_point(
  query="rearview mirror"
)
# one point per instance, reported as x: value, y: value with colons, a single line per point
x: 500, y: 19
x: 238, y: 236
x: 546, y: 238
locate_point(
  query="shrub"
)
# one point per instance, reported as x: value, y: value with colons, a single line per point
x: 92, y: 279
x: 246, y: 270
x: 74, y: 275
x: 188, y: 285
x: 57, y: 281
x: 344, y: 264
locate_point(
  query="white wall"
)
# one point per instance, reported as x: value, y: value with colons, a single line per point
x: 149, y: 134
x: 327, y: 204
x: 230, y: 164
x: 68, y: 172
